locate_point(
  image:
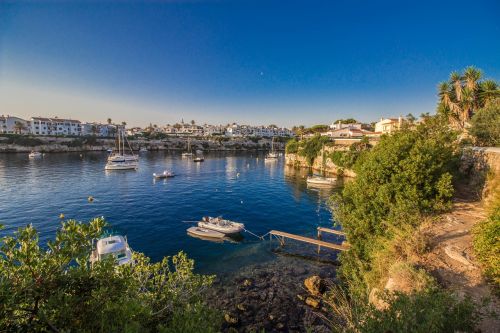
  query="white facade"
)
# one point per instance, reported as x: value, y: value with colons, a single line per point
x: 13, y: 125
x: 388, y: 125
x: 339, y: 125
x: 55, y: 126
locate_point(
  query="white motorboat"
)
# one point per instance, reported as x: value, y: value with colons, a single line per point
x: 116, y: 246
x: 120, y: 160
x: 143, y: 150
x: 164, y: 174
x: 221, y: 225
x: 205, y: 233
x: 109, y: 150
x: 199, y: 159
x: 320, y: 180
x: 35, y: 154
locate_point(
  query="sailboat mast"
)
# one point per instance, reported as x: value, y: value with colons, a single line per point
x: 119, y: 143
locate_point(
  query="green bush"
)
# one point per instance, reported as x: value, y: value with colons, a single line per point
x: 485, y: 125
x: 22, y: 140
x: 487, y: 245
x: 310, y: 148
x: 292, y: 146
x: 423, y: 312
x: 54, y: 288
x: 406, y: 176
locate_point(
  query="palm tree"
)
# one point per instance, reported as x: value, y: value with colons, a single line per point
x: 124, y: 123
x: 464, y: 94
x: 193, y: 122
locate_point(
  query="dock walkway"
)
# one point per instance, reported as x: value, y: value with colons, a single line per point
x: 281, y: 236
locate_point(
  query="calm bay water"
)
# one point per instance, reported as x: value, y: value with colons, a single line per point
x: 239, y: 186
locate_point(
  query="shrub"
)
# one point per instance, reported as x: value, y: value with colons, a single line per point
x: 485, y: 125
x: 406, y: 176
x: 311, y: 147
x: 292, y: 146
x: 487, y: 245
x: 55, y: 289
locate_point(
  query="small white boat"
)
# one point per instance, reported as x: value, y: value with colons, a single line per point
x: 126, y: 157
x: 121, y: 165
x: 199, y: 159
x: 205, y: 233
x: 143, y: 150
x: 320, y: 180
x: 116, y: 246
x: 109, y: 150
x: 189, y: 152
x: 273, y: 155
x: 221, y: 225
x: 35, y: 154
x: 164, y: 174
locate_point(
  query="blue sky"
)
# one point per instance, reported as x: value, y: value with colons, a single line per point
x: 257, y: 62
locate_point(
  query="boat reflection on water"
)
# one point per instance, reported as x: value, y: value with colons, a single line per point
x: 296, y: 178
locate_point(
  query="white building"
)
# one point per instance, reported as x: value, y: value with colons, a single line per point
x: 55, y: 126
x: 13, y: 125
x: 388, y: 125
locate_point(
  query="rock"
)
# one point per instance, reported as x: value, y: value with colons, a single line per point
x: 271, y: 317
x: 280, y: 326
x: 300, y: 297
x: 242, y: 307
x: 375, y: 299
x: 312, y: 302
x: 247, y: 283
x: 314, y: 285
x: 230, y: 319
x: 456, y: 254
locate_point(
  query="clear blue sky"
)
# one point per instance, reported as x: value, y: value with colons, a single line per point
x: 257, y: 62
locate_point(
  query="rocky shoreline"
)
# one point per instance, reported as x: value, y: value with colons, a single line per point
x: 59, y: 144
x: 274, y: 297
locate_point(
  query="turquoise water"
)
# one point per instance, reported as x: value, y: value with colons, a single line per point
x: 239, y: 186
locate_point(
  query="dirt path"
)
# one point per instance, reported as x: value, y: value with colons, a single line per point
x: 451, y: 258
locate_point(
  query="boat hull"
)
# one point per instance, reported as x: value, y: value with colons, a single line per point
x: 205, y: 233
x: 120, y: 166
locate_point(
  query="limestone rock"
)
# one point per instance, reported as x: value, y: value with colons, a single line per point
x: 312, y: 302
x: 314, y: 285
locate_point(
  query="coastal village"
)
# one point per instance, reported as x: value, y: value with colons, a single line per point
x: 55, y: 126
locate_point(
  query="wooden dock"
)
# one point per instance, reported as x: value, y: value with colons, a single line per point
x: 281, y: 236
x: 330, y: 231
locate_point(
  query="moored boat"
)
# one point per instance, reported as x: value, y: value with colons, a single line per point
x: 273, y: 155
x: 199, y: 159
x: 205, y: 233
x: 116, y: 246
x: 320, y: 180
x: 120, y: 160
x: 164, y: 174
x: 35, y: 154
x: 221, y: 225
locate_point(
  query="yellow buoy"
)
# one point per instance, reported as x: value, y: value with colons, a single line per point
x: 61, y: 216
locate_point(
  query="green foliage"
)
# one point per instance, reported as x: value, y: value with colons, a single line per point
x: 347, y: 159
x: 292, y: 146
x: 487, y: 245
x: 485, y: 125
x: 22, y: 140
x: 319, y: 128
x: 311, y: 147
x: 346, y: 121
x: 423, y: 312
x: 55, y: 289
x: 404, y: 177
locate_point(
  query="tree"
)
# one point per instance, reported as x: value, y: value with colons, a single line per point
x: 463, y: 95
x: 485, y: 125
x: 55, y: 288
x: 405, y: 176
x: 346, y: 121
x: 109, y: 121
x: 192, y: 122
x: 124, y: 123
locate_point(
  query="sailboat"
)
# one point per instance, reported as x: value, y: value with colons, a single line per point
x: 120, y: 160
x: 273, y: 155
x: 319, y: 179
x: 189, y: 153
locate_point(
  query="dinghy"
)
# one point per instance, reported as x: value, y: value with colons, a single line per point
x: 205, y: 233
x: 221, y: 225
x: 164, y: 174
x: 35, y: 154
x: 320, y: 180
